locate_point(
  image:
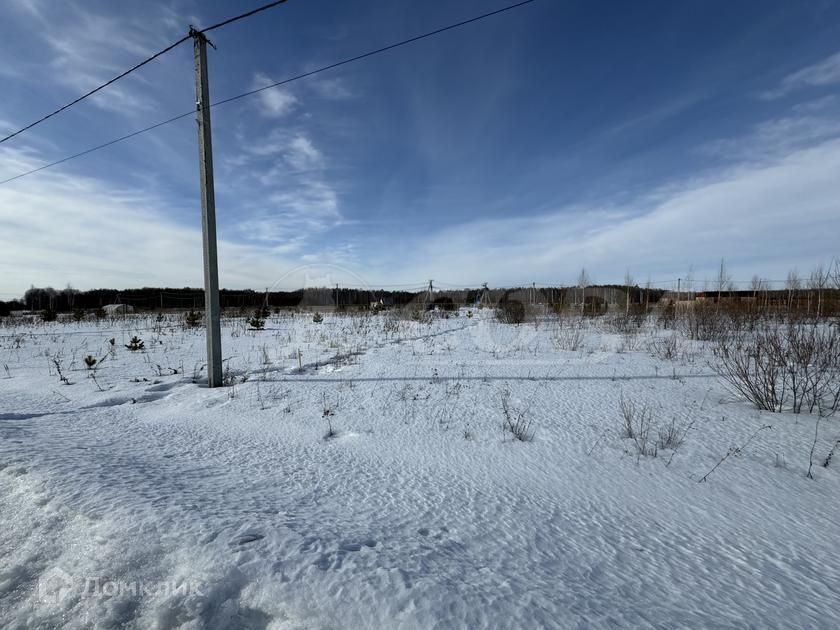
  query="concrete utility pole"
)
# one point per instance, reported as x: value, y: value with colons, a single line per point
x: 208, y: 212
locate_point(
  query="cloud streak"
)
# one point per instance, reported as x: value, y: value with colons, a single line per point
x: 820, y: 74
x: 274, y: 102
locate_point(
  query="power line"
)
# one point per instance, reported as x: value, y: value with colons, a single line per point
x: 97, y: 147
x: 374, y: 52
x: 137, y: 67
x: 96, y: 89
x: 243, y: 15
x: 267, y: 87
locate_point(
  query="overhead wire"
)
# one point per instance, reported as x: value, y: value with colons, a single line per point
x: 134, y: 68
x: 242, y: 95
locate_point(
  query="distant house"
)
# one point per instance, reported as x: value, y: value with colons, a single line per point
x: 118, y: 309
x: 383, y: 302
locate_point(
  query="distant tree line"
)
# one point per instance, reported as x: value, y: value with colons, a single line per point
x: 157, y: 298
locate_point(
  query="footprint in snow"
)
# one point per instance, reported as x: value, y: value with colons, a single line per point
x: 354, y: 546
x: 162, y: 387
x: 246, y: 539
x: 424, y: 531
x: 327, y: 561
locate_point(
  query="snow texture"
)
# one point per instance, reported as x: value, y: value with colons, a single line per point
x: 138, y: 497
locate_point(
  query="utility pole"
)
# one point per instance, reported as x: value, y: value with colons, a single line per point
x: 431, y: 289
x: 208, y: 212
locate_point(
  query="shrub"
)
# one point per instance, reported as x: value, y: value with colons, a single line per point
x: 795, y: 365
x: 636, y: 423
x: 515, y: 421
x: 670, y: 436
x: 100, y: 313
x: 704, y: 321
x: 135, y: 344
x: 49, y: 315
x: 568, y: 335
x: 667, y: 315
x: 594, y: 306
x: 666, y: 348
x: 192, y: 318
x: 78, y: 315
x: 443, y: 303
x: 317, y: 318
x: 510, y: 311
x: 327, y: 414
x: 257, y: 322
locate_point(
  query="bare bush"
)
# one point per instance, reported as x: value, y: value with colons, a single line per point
x: 391, y: 324
x: 666, y: 347
x: 516, y: 421
x: 511, y: 312
x: 670, y: 436
x: 794, y: 366
x: 415, y: 312
x: 327, y: 414
x: 637, y: 420
x: 704, y: 322
x: 568, y: 334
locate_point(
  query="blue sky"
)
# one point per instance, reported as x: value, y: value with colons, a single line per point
x: 654, y: 137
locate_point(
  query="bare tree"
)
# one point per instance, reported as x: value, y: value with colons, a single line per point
x: 69, y: 294
x: 834, y: 272
x: 583, y: 282
x: 793, y: 283
x: 759, y: 288
x: 724, y: 280
x: 818, y: 281
x: 628, y: 281
x: 689, y: 282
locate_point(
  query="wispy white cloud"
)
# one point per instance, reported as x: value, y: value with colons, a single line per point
x: 302, y: 154
x: 295, y: 148
x: 762, y: 218
x: 333, y: 89
x: 805, y: 124
x: 290, y: 199
x: 91, y: 233
x: 274, y: 102
x: 91, y: 48
x: 822, y: 73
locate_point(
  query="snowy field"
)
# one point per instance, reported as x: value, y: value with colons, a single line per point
x: 134, y: 496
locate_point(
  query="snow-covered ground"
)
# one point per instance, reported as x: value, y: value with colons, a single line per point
x: 141, y: 498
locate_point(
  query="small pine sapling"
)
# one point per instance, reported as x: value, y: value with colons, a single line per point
x: 135, y: 344
x: 192, y: 318
x: 257, y: 322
